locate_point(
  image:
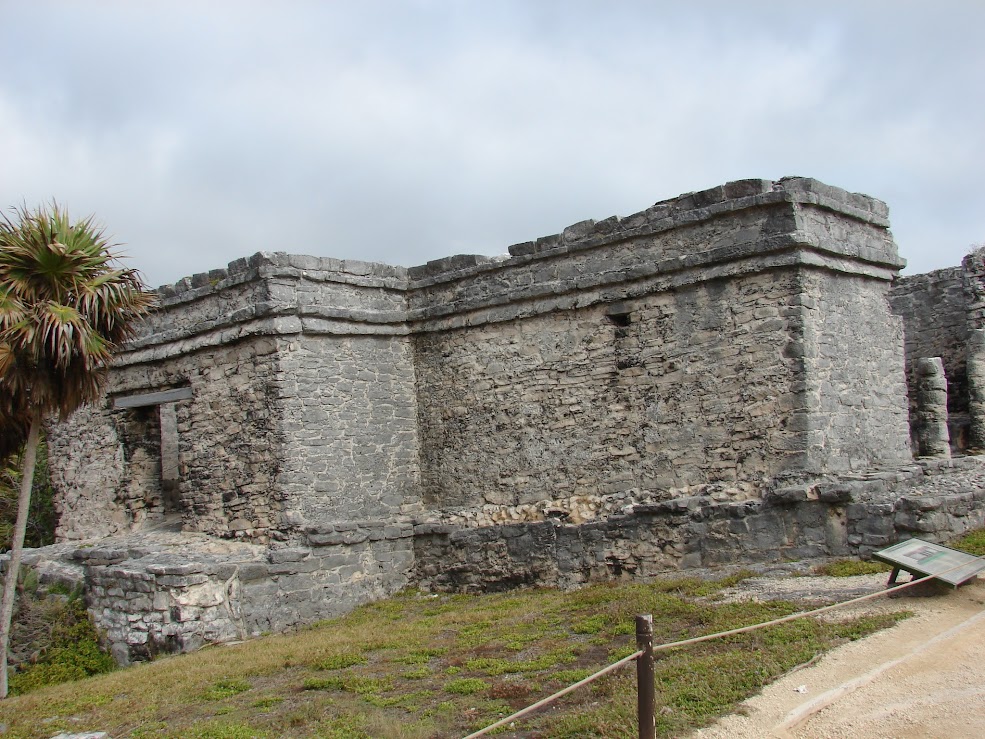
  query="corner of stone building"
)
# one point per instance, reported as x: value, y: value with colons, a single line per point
x: 670, y: 389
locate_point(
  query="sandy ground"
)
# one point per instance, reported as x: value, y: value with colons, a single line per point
x: 925, y: 677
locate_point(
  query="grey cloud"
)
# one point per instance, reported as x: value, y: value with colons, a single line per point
x: 405, y: 131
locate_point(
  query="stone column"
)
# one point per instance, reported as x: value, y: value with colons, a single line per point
x: 933, y: 439
x: 975, y: 351
x: 169, y: 456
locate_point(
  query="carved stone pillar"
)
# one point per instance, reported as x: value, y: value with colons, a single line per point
x: 975, y: 349
x: 933, y: 439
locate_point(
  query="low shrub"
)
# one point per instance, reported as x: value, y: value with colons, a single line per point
x: 53, y: 641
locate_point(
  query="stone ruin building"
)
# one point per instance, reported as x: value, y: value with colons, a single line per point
x: 733, y: 375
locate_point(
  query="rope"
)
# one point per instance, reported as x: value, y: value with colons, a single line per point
x: 550, y: 698
x: 707, y: 637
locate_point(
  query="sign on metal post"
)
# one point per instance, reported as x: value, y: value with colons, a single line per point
x: 926, y: 559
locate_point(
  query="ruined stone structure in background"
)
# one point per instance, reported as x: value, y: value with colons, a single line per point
x: 943, y: 310
x: 722, y: 377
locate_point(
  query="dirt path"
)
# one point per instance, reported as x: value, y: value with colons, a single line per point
x: 924, y: 677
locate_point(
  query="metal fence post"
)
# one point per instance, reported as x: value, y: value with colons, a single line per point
x: 645, y: 689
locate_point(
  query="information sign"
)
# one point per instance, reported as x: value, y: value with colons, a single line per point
x: 924, y: 558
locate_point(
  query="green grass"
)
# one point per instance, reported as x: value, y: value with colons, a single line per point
x: 466, y: 686
x: 341, y: 661
x: 225, y: 689
x: 448, y: 666
x: 973, y: 543
x: 851, y: 567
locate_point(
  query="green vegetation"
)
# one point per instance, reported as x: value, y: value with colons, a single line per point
x: 466, y: 686
x: 53, y: 640
x: 41, y: 517
x: 226, y: 689
x: 973, y: 542
x: 65, y: 306
x: 851, y: 567
x: 341, y: 661
x: 449, y: 666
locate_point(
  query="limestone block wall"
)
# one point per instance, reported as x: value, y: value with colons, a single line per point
x: 229, y: 448
x: 856, y: 409
x: 302, y: 407
x: 328, y: 576
x: 675, y: 389
x: 165, y: 593
x: 349, y: 421
x: 346, y: 399
x: 88, y: 471
x: 939, y: 310
x: 834, y: 517
x: 973, y: 266
x: 689, y: 344
x: 935, y: 309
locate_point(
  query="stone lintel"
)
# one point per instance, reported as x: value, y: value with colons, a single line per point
x: 156, y: 398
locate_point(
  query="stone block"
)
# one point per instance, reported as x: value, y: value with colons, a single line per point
x: 838, y: 493
x: 176, y: 581
x: 252, y: 571
x: 323, y: 540
x: 189, y: 568
x: 790, y: 495
x: 294, y: 567
x: 280, y: 556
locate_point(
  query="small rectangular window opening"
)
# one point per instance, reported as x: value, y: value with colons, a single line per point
x: 621, y: 320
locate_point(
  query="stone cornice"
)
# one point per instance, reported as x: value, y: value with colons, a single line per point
x: 737, y: 228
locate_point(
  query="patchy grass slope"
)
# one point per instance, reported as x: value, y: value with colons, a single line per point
x: 420, y: 665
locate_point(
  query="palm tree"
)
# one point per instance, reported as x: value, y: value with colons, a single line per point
x: 65, y: 306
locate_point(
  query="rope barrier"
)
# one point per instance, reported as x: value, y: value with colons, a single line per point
x: 549, y: 699
x: 707, y: 637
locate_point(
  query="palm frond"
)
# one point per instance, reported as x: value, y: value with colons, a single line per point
x: 65, y: 306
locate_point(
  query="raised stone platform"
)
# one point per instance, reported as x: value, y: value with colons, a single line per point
x: 720, y: 377
x: 173, y: 592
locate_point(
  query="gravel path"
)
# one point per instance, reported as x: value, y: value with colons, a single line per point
x: 924, y: 677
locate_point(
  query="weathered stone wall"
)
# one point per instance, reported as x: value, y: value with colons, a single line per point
x: 88, y: 474
x: 673, y: 348
x: 349, y: 414
x: 694, y: 388
x: 229, y: 448
x: 836, y: 517
x: 303, y: 406
x: 731, y: 229
x: 934, y: 307
x: 337, y: 568
x: 160, y: 593
x: 973, y: 266
x: 690, y: 344
x: 939, y: 310
x: 855, y: 406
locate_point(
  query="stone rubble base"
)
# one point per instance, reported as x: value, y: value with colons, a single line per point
x: 163, y: 592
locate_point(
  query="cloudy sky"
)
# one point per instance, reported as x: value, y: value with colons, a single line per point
x: 199, y: 132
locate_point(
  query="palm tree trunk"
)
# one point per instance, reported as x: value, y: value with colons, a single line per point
x: 17, y: 546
